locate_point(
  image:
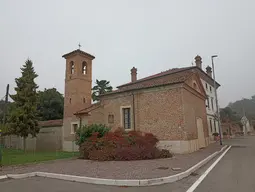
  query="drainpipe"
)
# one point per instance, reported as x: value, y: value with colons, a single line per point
x: 80, y: 121
x: 133, y: 109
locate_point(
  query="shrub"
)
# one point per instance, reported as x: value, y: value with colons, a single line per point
x: 224, y: 133
x: 120, y: 145
x: 86, y: 131
x: 165, y: 154
x: 215, y: 134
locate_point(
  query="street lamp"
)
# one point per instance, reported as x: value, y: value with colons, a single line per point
x: 216, y: 98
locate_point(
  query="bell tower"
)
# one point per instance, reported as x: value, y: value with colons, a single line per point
x: 78, y: 81
x: 78, y: 84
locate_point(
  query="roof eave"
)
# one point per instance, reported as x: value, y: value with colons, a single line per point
x: 140, y: 88
x: 142, y: 80
x: 78, y: 52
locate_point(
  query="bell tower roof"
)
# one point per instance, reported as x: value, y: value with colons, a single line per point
x: 80, y: 52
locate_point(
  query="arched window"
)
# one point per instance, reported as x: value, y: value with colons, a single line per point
x: 84, y: 67
x: 72, y: 67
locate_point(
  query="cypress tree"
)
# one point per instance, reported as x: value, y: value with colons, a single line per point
x: 23, y: 119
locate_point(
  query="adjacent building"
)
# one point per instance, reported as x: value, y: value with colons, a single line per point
x: 211, y: 108
x: 170, y: 104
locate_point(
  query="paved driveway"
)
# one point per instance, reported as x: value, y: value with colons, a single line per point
x: 234, y: 173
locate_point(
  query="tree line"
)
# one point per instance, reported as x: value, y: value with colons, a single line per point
x: 28, y: 105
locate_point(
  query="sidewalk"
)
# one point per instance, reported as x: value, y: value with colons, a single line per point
x: 144, y: 169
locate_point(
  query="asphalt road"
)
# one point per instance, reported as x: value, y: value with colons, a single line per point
x: 236, y: 170
x: 234, y: 173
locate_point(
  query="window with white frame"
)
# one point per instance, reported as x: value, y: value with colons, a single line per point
x: 74, y: 127
x: 126, y: 118
x: 208, y: 102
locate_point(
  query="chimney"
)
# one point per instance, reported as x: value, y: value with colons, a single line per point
x: 198, y: 61
x: 133, y: 74
x: 209, y: 71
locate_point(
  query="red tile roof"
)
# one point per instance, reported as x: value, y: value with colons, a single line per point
x: 88, y: 109
x: 167, y: 72
x: 79, y: 51
x: 174, y: 78
x: 51, y: 123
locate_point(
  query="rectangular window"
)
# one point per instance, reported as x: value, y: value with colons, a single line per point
x: 215, y: 126
x: 212, y: 103
x: 210, y: 88
x: 208, y: 102
x: 74, y: 128
x: 206, y: 85
x: 211, y: 125
x: 126, y: 118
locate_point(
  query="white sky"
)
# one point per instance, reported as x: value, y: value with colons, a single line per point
x: 151, y: 35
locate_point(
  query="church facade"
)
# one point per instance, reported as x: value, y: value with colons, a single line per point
x: 170, y: 104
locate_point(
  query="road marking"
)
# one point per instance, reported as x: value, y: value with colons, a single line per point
x: 201, y: 178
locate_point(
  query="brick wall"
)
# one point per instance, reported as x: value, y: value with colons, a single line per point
x: 112, y: 106
x: 159, y: 111
x: 194, y: 107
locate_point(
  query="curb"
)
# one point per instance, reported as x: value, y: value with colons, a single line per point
x: 100, y: 181
x: 3, y: 177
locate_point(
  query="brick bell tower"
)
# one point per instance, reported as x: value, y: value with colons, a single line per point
x: 78, y: 84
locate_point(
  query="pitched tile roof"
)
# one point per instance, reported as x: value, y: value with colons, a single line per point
x: 167, y: 72
x: 51, y: 123
x: 88, y: 109
x: 79, y: 51
x: 179, y: 76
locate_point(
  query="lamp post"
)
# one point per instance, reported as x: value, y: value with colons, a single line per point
x: 216, y: 98
x: 0, y: 149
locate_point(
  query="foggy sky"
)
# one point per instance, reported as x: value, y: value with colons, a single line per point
x: 152, y: 35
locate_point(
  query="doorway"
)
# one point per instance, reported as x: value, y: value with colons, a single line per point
x: 200, y: 133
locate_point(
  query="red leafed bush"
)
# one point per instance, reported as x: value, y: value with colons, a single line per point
x: 121, y: 145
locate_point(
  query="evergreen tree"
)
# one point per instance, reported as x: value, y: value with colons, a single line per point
x: 23, y: 118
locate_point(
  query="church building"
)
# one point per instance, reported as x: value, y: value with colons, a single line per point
x: 170, y: 104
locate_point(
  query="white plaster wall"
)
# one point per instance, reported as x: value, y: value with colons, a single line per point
x: 181, y: 147
x: 210, y: 112
x: 70, y: 146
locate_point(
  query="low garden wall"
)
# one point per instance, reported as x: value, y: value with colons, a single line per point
x: 48, y: 139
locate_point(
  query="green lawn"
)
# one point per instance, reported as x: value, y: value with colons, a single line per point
x: 14, y: 157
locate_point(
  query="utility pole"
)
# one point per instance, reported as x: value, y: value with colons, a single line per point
x: 4, y: 121
x: 5, y: 104
x: 216, y: 98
